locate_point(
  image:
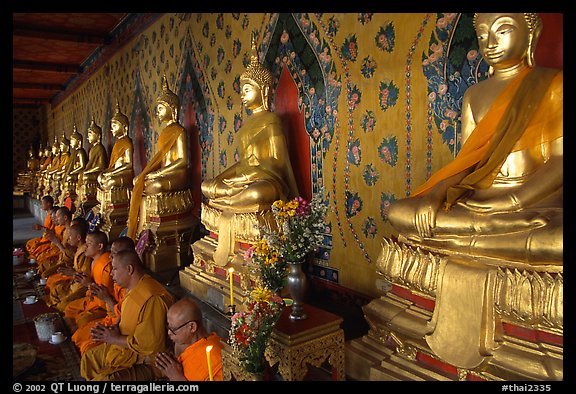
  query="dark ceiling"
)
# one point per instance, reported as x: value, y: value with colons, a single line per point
x: 51, y: 49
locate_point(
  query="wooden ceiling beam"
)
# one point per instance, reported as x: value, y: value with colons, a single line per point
x: 41, y: 86
x: 61, y: 68
x: 51, y: 34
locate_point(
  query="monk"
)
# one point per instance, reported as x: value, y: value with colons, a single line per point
x: 190, y: 338
x: 33, y: 245
x: 139, y: 336
x: 59, y: 251
x: 82, y: 310
x: 112, y: 300
x: 61, y: 285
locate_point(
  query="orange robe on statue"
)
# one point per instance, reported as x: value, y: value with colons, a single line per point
x: 90, y: 307
x: 194, y: 363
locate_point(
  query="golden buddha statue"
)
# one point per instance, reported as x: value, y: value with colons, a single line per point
x: 33, y: 163
x: 238, y: 201
x: 120, y: 171
x: 87, y: 185
x: 77, y: 164
x: 49, y: 187
x: 45, y: 160
x: 263, y: 173
x: 59, y: 170
x: 161, y: 198
x: 479, y: 256
x: 115, y: 182
x: 502, y: 195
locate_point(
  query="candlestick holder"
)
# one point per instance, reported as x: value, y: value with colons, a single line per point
x: 231, y: 310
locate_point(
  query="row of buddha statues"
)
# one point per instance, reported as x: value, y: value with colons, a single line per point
x: 482, y: 238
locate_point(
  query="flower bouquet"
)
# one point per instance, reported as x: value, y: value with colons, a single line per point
x: 301, y: 227
x: 267, y: 265
x: 250, y: 330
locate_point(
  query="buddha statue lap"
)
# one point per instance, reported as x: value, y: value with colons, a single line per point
x: 87, y: 185
x: 77, y: 164
x: 161, y: 199
x: 482, y: 238
x: 116, y: 181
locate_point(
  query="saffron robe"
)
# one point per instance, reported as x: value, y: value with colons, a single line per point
x: 194, y: 362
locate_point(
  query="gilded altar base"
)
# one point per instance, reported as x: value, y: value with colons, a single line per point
x: 206, y: 277
x: 169, y: 218
x: 114, y: 208
x: 455, y: 317
x: 86, y: 197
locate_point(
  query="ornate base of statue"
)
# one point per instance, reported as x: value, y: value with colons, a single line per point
x: 114, y: 207
x: 506, y: 319
x: 172, y: 225
x: 87, y: 197
x: 231, y: 233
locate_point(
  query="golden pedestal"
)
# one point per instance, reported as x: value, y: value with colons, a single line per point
x: 210, y: 282
x: 215, y: 253
x: 294, y: 345
x: 516, y: 312
x: 114, y: 208
x: 169, y: 218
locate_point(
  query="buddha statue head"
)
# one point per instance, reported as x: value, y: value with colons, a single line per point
x: 119, y: 123
x: 64, y: 143
x: 94, y: 132
x: 40, y: 151
x: 168, y: 103
x: 75, y: 138
x: 55, y: 146
x: 257, y: 76
x: 516, y: 34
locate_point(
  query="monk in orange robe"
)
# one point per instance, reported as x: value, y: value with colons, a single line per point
x: 190, y: 339
x: 82, y: 310
x: 34, y: 243
x: 125, y: 350
x: 113, y: 301
x: 58, y: 251
x: 63, y: 289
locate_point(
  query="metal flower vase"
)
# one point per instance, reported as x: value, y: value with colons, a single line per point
x: 297, y: 286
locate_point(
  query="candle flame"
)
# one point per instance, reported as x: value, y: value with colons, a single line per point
x: 209, y: 348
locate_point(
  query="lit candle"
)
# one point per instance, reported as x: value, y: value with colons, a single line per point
x: 208, y: 349
x: 231, y: 275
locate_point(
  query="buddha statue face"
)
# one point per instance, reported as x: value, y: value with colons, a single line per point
x: 506, y: 40
x: 64, y: 146
x: 118, y: 129
x: 164, y: 112
x: 55, y: 149
x: 251, y: 95
x: 93, y: 137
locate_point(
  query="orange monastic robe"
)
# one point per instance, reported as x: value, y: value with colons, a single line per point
x: 63, y: 289
x: 81, y: 336
x: 143, y: 320
x: 194, y: 362
x: 51, y: 254
x: 33, y: 244
x: 90, y: 307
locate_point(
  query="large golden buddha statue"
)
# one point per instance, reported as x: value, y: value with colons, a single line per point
x: 161, y: 198
x: 239, y: 199
x: 77, y: 164
x: 87, y: 185
x: 120, y: 171
x: 116, y: 181
x: 483, y: 237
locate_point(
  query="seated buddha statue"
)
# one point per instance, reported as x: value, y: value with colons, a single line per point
x: 263, y: 172
x: 77, y: 164
x: 33, y: 162
x: 87, y: 185
x: 45, y: 160
x: 120, y: 171
x: 483, y: 236
x: 52, y: 168
x: 501, y: 197
x: 63, y: 157
x: 168, y: 171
